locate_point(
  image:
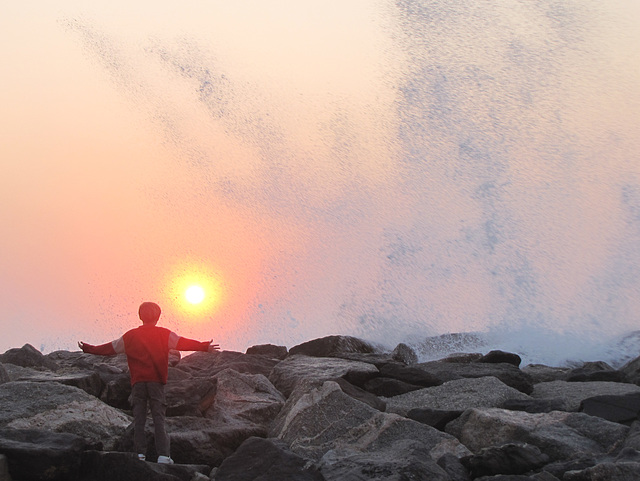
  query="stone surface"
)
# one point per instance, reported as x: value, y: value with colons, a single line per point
x: 456, y: 395
x: 620, y: 409
x: 410, y: 375
x: 28, y: 356
x: 4, y: 375
x: 507, y: 373
x: 595, y: 371
x: 505, y: 459
x: 207, y: 364
x: 37, y: 454
x: 388, y: 387
x: 436, y: 418
x: 560, y: 435
x: 330, y: 346
x: 59, y: 408
x: 404, y: 354
x: 289, y: 372
x: 541, y: 373
x: 266, y: 460
x: 269, y: 350
x: 573, y: 393
x: 497, y: 357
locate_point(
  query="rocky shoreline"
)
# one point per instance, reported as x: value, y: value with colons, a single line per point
x: 332, y: 409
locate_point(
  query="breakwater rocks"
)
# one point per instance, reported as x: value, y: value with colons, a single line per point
x: 333, y: 409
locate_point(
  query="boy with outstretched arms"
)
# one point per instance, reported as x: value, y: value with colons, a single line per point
x: 147, y: 350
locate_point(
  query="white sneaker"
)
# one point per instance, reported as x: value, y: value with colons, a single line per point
x: 142, y: 457
x: 165, y: 460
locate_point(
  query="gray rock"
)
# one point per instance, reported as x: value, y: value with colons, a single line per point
x: 36, y: 454
x: 403, y: 462
x: 269, y: 350
x: 102, y: 466
x: 292, y: 370
x: 534, y: 405
x: 436, y: 418
x: 207, y: 364
x: 606, y: 471
x: 595, y: 371
x: 28, y: 356
x: 346, y: 422
x: 186, y: 397
x: 266, y: 460
x: 507, y: 373
x: 497, y: 357
x: 410, y: 375
x: 4, y: 375
x: 455, y: 395
x: 331, y: 346
x: 388, y: 387
x: 573, y: 393
x: 404, y: 354
x: 560, y: 435
x: 620, y: 409
x: 65, y: 409
x: 360, y: 394
x: 508, y: 458
x: 541, y: 373
x: 4, y: 469
x: 631, y: 371
x: 88, y: 381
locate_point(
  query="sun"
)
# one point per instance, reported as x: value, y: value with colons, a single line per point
x: 195, y: 294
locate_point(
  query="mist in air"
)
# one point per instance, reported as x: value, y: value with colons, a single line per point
x: 386, y: 170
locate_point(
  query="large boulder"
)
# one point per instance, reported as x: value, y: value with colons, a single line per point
x: 103, y: 466
x: 4, y: 375
x: 207, y: 364
x: 505, y: 459
x: 573, y: 393
x: 507, y: 373
x: 541, y: 373
x: 269, y: 350
x: 595, y: 371
x: 332, y: 346
x: 403, y: 461
x: 88, y: 381
x: 266, y: 460
x: 63, y: 409
x: 455, y: 395
x: 326, y: 418
x: 410, y: 375
x: 37, y: 454
x: 560, y: 435
x: 620, y: 409
x: 292, y: 370
x: 189, y: 397
x: 28, y: 356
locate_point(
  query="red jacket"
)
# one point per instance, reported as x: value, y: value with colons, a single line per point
x: 147, y: 349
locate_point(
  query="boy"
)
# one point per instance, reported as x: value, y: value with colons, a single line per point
x: 147, y: 350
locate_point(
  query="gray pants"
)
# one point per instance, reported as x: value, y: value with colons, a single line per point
x: 151, y: 394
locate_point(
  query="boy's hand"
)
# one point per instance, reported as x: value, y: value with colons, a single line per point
x: 213, y: 347
x: 81, y: 345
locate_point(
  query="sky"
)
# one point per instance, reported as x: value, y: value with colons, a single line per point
x: 373, y: 168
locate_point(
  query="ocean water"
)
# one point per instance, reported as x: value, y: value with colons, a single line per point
x: 404, y: 169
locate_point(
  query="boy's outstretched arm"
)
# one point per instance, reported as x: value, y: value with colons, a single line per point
x: 108, y: 349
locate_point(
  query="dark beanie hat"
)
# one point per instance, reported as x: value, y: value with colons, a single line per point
x: 149, y: 312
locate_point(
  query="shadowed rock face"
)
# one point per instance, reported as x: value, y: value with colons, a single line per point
x: 255, y: 416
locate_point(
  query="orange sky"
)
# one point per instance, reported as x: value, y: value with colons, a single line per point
x: 269, y: 148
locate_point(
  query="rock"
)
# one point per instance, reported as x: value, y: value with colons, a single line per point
x: 266, y: 460
x: 497, y: 357
x: 410, y: 375
x: 631, y: 370
x: 453, y: 467
x: 456, y: 395
x: 507, y: 373
x: 349, y: 423
x: 403, y: 462
x: 269, y: 350
x: 508, y: 458
x: 404, y: 354
x: 595, y: 371
x: 4, y: 375
x: 533, y: 405
x: 207, y: 364
x: 101, y: 466
x: 289, y: 372
x: 559, y: 468
x: 331, y: 346
x: 37, y: 454
x: 573, y: 393
x: 28, y: 356
x: 63, y: 409
x: 620, y: 409
x: 606, y: 471
x: 360, y: 394
x: 633, y: 438
x: 438, y: 346
x: 88, y: 381
x: 541, y: 373
x: 248, y: 399
x: 436, y: 418
x: 186, y: 397
x: 387, y: 387
x: 560, y: 435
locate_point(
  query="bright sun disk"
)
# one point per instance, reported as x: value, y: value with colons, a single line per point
x: 195, y: 294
